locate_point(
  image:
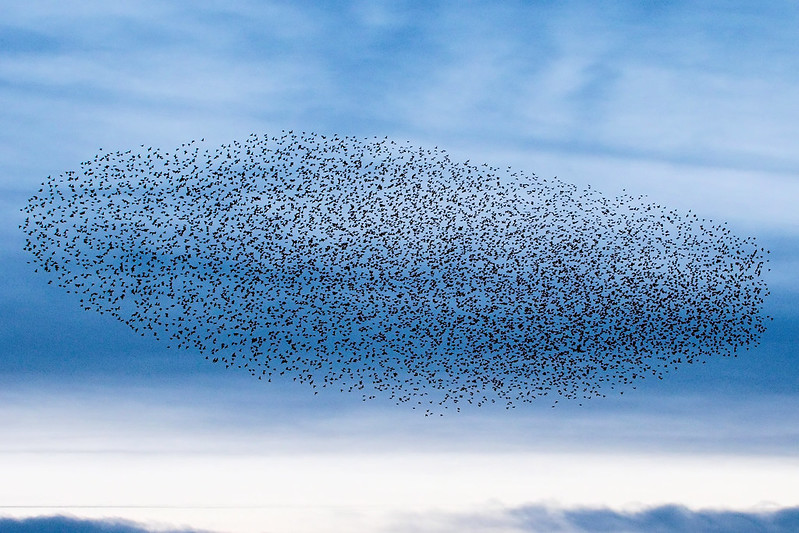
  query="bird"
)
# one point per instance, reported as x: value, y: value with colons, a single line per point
x: 381, y: 268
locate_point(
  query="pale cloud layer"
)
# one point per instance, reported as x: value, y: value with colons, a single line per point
x: 341, y: 492
x: 232, y: 461
x: 240, y: 416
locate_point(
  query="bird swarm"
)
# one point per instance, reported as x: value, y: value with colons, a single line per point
x: 388, y: 269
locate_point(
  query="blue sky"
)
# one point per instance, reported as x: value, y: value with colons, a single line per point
x: 693, y: 104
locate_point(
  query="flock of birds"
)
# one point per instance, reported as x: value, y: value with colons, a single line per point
x: 384, y: 268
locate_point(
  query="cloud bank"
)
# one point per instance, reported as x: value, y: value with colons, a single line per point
x: 662, y: 519
x: 527, y: 519
x: 64, y: 524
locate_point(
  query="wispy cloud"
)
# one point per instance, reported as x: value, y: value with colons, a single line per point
x: 642, y: 95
